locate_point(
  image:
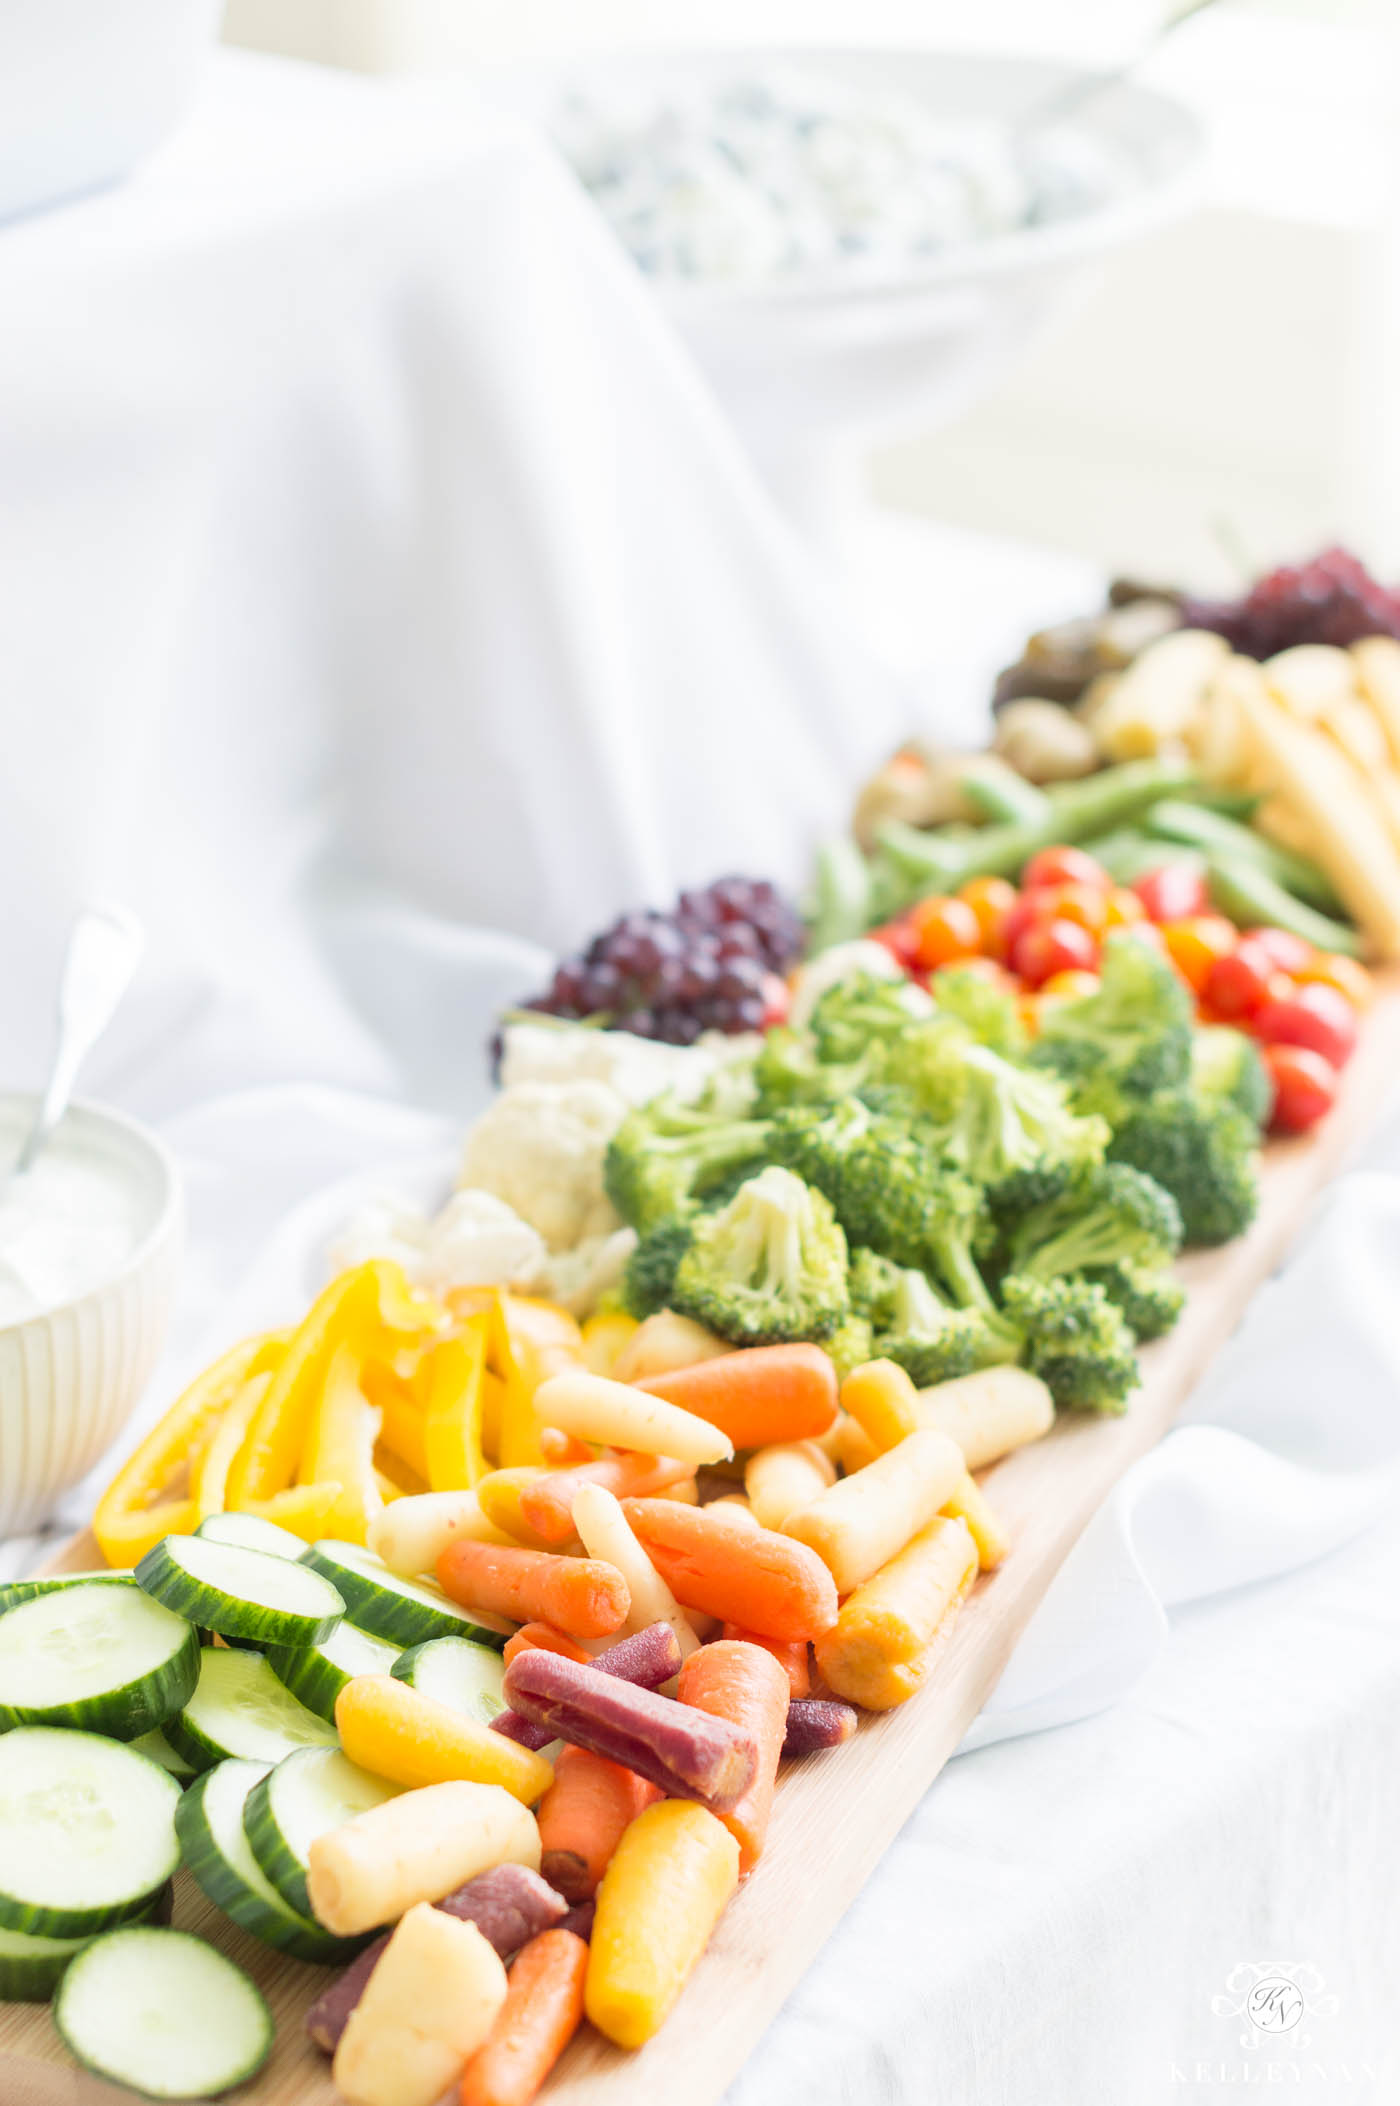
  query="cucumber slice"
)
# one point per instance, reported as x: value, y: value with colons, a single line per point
x: 16, y: 1591
x: 307, y: 1795
x: 210, y: 1824
x: 240, y: 1708
x: 405, y: 1611
x: 241, y: 1593
x: 457, y: 1672
x: 251, y: 1532
x: 101, y: 1658
x: 159, y: 1749
x: 317, y: 1674
x: 31, y: 1968
x: 163, y: 2013
x: 87, y: 1831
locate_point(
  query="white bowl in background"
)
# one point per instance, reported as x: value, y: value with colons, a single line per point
x: 70, y: 1376
x: 808, y: 363
x: 89, y: 87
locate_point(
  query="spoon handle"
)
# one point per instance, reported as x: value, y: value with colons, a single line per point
x: 104, y: 950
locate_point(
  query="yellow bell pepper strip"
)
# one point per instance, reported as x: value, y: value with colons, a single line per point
x: 453, y: 1370
x: 603, y: 1339
x: 401, y: 1434
x: 305, y: 1509
x: 340, y: 1448
x: 131, y: 1516
x: 357, y: 1309
x: 395, y: 1479
x: 209, y: 1477
x: 494, y: 1391
x: 544, y: 1341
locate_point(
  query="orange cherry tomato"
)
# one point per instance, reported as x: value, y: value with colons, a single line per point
x: 1335, y: 969
x: 1122, y: 908
x: 1064, y: 866
x: 1194, y: 945
x: 944, y: 929
x: 1085, y: 904
x: 991, y: 900
x: 1074, y: 982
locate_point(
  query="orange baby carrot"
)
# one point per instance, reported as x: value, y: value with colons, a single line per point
x: 582, y: 1817
x: 541, y: 2014
x: 760, y: 1395
x: 548, y: 1502
x: 790, y: 1654
x: 581, y: 1596
x: 745, y: 1684
x: 561, y: 1450
x: 733, y: 1569
x: 544, y: 1639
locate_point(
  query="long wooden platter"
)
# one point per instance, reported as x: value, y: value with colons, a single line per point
x: 835, y: 1815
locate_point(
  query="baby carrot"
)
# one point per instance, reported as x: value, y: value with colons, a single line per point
x: 969, y: 1503
x: 562, y: 1450
x: 733, y: 1569
x: 541, y: 2014
x: 760, y: 1395
x: 662, y: 1895
x: 746, y: 1685
x: 785, y: 1477
x: 881, y: 1398
x: 858, y: 1525
x: 583, y: 1816
x: 547, y: 1503
x: 889, y: 1631
x: 580, y: 1596
x: 544, y: 1638
x: 394, y: 1731
x: 790, y: 1654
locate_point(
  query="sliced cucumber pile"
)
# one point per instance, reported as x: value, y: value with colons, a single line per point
x: 457, y: 1672
x: 87, y: 1832
x: 251, y: 1532
x: 163, y: 2013
x: 210, y: 1823
x: 16, y: 1591
x: 159, y: 1749
x: 403, y: 1611
x: 100, y: 1658
x: 240, y: 1708
x: 31, y: 1968
x: 307, y: 1795
x: 241, y: 1593
x: 317, y: 1674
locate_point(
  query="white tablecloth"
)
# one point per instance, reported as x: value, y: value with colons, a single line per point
x: 378, y: 576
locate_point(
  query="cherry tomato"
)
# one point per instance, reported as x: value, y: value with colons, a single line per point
x: 1086, y: 904
x: 1305, y: 1087
x: 1289, y: 952
x: 1146, y: 932
x: 1173, y: 892
x: 1122, y: 908
x: 944, y: 929
x: 1072, y: 983
x: 1065, y: 866
x: 1335, y: 969
x: 899, y: 940
x: 1194, y: 945
x: 777, y: 1000
x: 1316, y: 1017
x: 1050, y: 947
x: 1237, y: 985
x: 1019, y: 917
x: 991, y: 900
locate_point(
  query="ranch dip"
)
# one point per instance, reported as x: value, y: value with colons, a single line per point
x: 66, y: 1225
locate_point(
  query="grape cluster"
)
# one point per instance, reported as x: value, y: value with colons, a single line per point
x: 1332, y: 600
x: 704, y: 966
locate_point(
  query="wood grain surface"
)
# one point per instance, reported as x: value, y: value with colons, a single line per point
x: 836, y: 1814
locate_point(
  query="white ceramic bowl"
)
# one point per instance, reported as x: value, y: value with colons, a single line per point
x: 89, y: 87
x: 70, y: 1377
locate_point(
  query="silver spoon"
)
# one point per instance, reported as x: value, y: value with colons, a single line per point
x: 104, y: 950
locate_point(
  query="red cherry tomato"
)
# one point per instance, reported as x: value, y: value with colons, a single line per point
x: 1050, y: 947
x: 1316, y: 1017
x: 944, y: 929
x: 1086, y: 904
x: 777, y: 1000
x: 1305, y: 1087
x: 900, y: 940
x: 1175, y: 892
x: 1238, y: 985
x: 991, y: 900
x: 1065, y: 866
x: 1289, y: 952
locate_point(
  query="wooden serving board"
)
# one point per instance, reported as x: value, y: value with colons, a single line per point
x: 835, y: 1814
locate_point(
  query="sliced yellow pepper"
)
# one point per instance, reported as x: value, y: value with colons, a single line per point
x: 357, y: 1309
x: 494, y: 1392
x: 453, y: 1370
x: 305, y: 1509
x: 544, y: 1341
x: 400, y: 1418
x: 603, y: 1339
x: 131, y: 1515
x: 395, y: 1479
x: 340, y: 1448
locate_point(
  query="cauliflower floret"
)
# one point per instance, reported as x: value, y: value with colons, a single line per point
x: 383, y: 1225
x: 578, y: 1279
x: 637, y: 1068
x: 540, y: 1147
x: 479, y: 1241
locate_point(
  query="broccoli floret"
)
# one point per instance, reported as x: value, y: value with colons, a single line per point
x: 1107, y: 1213
x: 934, y: 1343
x: 1226, y: 1069
x: 769, y: 1266
x: 1012, y: 1130
x: 988, y: 1011
x: 1205, y: 1155
x: 790, y: 1070
x: 1075, y: 1340
x: 856, y: 1017
x: 1134, y: 1030
x: 871, y: 1283
x: 850, y: 1345
x: 665, y: 1156
x: 1150, y: 1297
x: 650, y: 1275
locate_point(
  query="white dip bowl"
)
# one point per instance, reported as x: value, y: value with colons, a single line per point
x: 71, y: 1374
